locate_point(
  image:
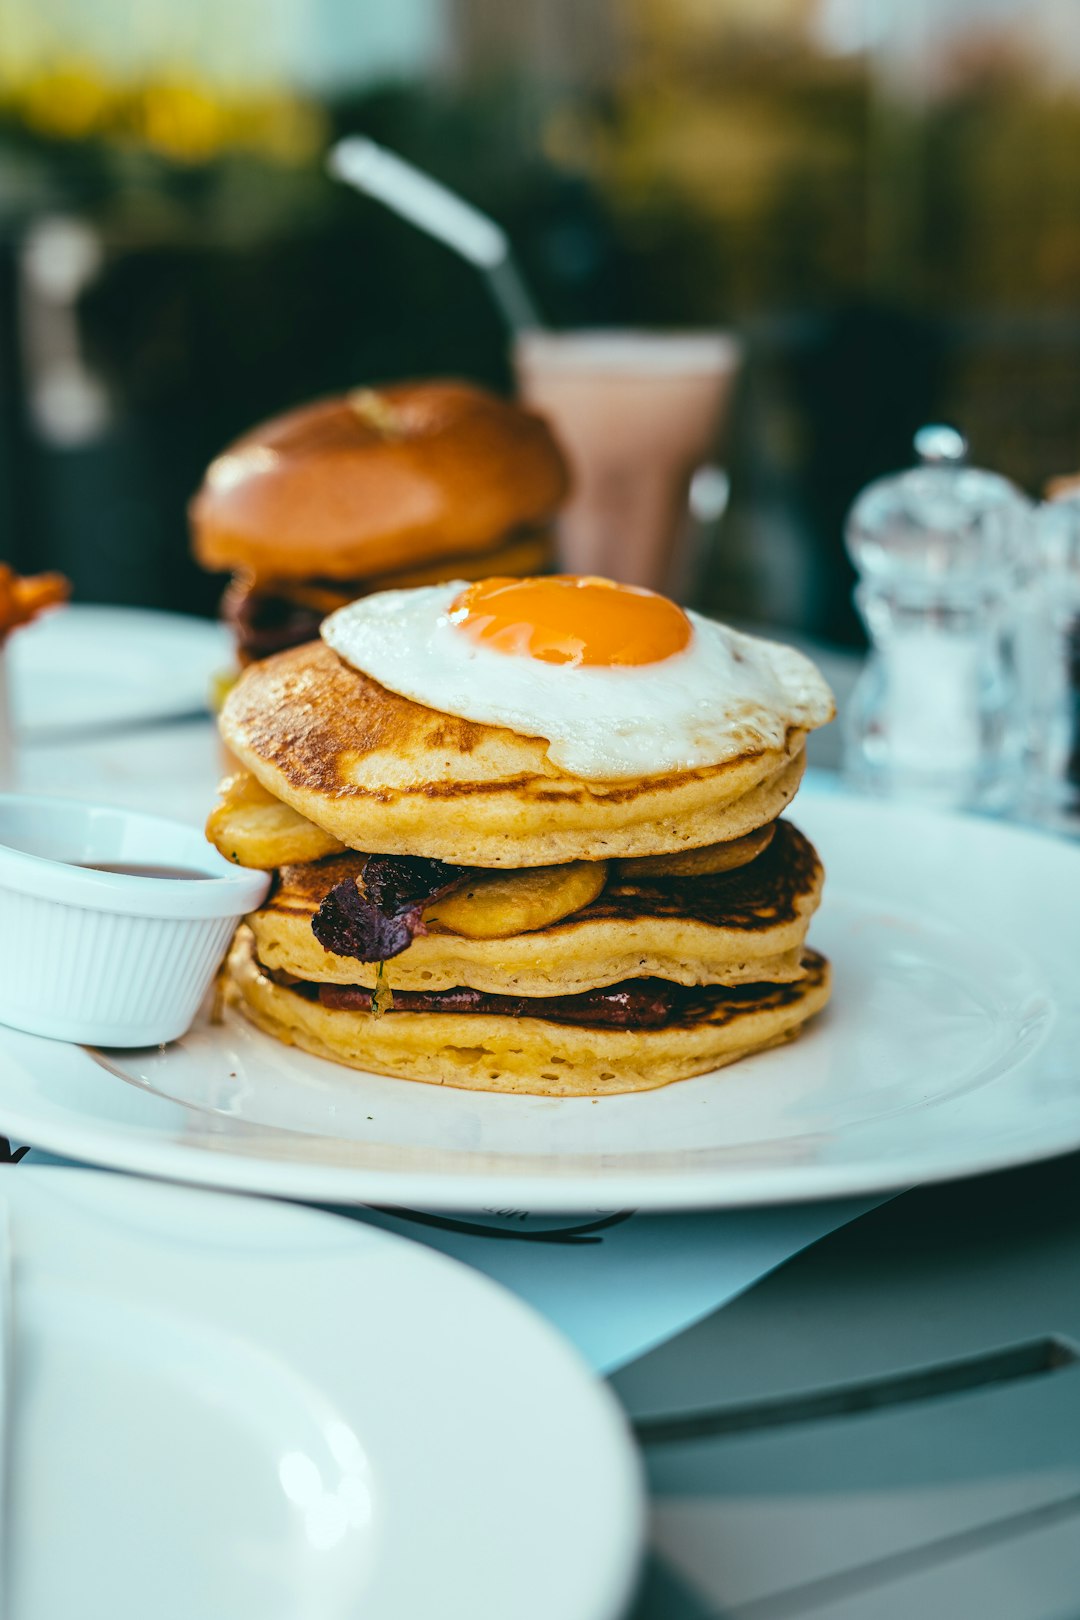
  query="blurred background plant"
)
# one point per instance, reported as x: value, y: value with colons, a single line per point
x: 881, y: 197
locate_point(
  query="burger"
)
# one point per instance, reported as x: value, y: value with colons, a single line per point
x: 375, y: 489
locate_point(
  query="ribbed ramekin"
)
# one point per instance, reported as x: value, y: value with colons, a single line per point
x: 102, y: 957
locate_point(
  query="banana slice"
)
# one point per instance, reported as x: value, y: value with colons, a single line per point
x: 252, y: 828
x: 699, y: 862
x: 509, y: 903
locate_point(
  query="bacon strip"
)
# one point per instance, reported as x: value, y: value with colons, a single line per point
x: 636, y: 1004
x: 380, y: 920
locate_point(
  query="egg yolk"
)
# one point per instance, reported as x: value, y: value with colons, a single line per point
x: 572, y: 619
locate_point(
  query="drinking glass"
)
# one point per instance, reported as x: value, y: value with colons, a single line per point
x: 637, y: 412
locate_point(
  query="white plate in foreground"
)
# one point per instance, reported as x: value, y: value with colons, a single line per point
x: 97, y: 667
x: 952, y: 1046
x: 225, y: 1407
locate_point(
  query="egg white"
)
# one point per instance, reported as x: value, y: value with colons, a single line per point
x: 723, y: 695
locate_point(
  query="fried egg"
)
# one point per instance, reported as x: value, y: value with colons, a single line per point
x: 619, y: 682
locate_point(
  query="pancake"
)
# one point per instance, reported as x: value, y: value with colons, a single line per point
x: 491, y: 1052
x: 252, y: 828
x: 379, y: 772
x: 740, y: 927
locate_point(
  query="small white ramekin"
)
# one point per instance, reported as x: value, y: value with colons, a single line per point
x: 101, y: 957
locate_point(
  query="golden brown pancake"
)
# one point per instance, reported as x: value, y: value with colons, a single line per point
x: 379, y: 772
x: 539, y: 1056
x: 740, y: 927
x: 252, y: 828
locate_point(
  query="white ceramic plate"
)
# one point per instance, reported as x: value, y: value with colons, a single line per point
x: 225, y: 1407
x: 102, y: 667
x: 952, y: 1046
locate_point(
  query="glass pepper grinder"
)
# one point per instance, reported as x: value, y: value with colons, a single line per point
x: 939, y: 548
x: 1050, y: 670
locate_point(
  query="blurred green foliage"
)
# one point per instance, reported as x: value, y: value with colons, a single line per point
x: 887, y: 258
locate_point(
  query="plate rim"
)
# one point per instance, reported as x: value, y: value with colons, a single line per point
x: 726, y: 1187
x: 617, y: 1558
x: 106, y: 620
x: 668, y: 1192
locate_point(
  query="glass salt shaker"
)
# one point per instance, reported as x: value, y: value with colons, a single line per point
x: 939, y: 550
x: 1049, y: 667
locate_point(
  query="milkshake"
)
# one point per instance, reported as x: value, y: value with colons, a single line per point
x: 637, y: 413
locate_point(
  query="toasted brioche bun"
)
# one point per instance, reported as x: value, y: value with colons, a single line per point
x: 486, y: 1052
x: 373, y: 483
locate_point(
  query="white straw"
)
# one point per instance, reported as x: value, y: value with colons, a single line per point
x: 424, y: 202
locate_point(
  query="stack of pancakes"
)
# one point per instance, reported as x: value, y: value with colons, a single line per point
x: 399, y: 486
x: 452, y: 907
